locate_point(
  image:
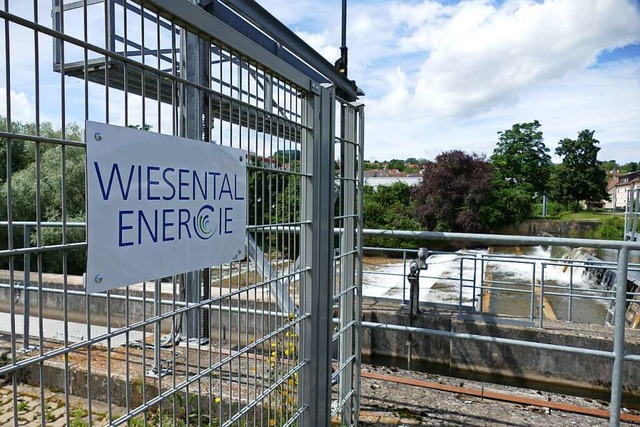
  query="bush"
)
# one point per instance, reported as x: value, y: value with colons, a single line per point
x: 611, y: 228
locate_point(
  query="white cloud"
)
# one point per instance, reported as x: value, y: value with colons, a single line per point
x: 441, y: 76
x: 22, y: 110
x: 481, y: 56
x: 605, y: 99
x: 322, y: 44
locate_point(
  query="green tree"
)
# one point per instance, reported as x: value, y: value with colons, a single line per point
x: 453, y: 193
x: 396, y: 164
x: 389, y: 207
x: 580, y: 176
x: 522, y: 159
x: 57, y: 165
x: 609, y: 166
x: 629, y: 167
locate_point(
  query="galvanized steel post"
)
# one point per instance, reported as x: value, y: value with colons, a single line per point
x: 192, y: 111
x: 317, y: 254
x: 26, y: 314
x: 618, y: 342
x: 347, y: 263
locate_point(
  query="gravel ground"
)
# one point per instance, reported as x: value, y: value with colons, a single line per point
x: 386, y: 403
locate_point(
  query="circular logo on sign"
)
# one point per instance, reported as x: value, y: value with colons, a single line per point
x: 203, y: 222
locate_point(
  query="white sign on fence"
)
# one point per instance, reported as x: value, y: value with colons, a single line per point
x: 159, y: 205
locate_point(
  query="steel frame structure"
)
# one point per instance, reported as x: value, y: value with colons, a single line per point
x: 252, y: 342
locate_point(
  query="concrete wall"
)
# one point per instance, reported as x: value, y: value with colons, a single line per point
x: 535, y: 227
x: 510, y: 361
x: 53, y: 306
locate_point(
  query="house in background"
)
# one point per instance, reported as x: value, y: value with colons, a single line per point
x: 618, y: 187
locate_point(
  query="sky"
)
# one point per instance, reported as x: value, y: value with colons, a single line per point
x: 449, y: 75
x: 438, y: 75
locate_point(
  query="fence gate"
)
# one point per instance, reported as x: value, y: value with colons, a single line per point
x: 271, y: 339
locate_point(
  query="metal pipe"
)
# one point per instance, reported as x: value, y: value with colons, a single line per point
x: 490, y: 340
x: 618, y: 341
x: 481, y: 283
x: 541, y: 302
x: 571, y: 293
x: 498, y: 396
x: 499, y: 239
x: 27, y: 280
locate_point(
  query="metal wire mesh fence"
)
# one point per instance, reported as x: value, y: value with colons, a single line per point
x: 268, y: 339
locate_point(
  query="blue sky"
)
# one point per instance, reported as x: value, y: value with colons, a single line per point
x: 439, y: 75
x: 444, y: 75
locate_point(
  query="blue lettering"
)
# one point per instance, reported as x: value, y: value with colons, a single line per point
x: 183, y: 220
x: 166, y: 224
x: 214, y: 190
x: 139, y: 182
x: 122, y: 227
x: 151, y: 232
x: 203, y: 191
x: 169, y: 183
x: 181, y: 183
x: 115, y: 171
x: 151, y: 182
x: 227, y: 220
x: 226, y: 187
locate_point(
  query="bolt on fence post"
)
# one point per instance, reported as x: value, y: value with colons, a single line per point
x: 618, y: 341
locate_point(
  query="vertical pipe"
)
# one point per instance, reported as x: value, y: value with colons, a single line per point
x: 533, y: 281
x: 461, y: 285
x: 541, y: 302
x: 27, y: 281
x: 157, y: 295
x: 481, y: 282
x: 404, y: 277
x: 532, y: 302
x: 571, y: 292
x: 473, y: 294
x: 344, y: 24
x: 618, y: 341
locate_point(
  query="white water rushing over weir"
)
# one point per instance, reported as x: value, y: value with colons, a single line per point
x: 440, y: 283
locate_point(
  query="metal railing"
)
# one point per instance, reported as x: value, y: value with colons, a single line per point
x: 618, y: 354
x: 576, y: 288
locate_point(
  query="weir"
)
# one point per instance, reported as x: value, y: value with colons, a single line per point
x: 601, y: 276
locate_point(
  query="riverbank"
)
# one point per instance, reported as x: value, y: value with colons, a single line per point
x: 555, y: 227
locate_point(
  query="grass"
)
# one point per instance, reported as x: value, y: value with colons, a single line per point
x: 77, y: 417
x: 23, y: 406
x: 585, y: 216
